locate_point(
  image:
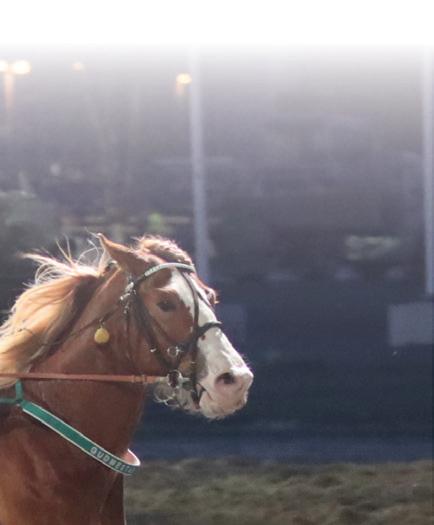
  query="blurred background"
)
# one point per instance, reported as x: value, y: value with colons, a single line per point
x: 301, y: 179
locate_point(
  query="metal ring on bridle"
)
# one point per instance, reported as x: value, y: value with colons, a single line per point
x: 173, y: 351
x: 176, y: 380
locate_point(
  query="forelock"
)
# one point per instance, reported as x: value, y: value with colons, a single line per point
x: 164, y: 248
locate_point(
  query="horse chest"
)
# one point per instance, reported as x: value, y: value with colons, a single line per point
x: 44, y: 481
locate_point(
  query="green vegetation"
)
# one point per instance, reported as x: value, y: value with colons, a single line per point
x: 236, y: 491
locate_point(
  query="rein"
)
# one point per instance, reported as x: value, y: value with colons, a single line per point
x: 105, y: 378
x: 175, y: 380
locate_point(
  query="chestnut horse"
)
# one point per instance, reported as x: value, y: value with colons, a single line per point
x: 75, y: 356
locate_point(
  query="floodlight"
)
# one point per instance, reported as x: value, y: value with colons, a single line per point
x: 20, y: 67
x: 183, y: 79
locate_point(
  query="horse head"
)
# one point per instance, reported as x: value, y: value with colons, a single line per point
x: 173, y: 332
x: 84, y: 340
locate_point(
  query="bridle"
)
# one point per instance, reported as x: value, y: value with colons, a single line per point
x: 130, y: 301
x: 177, y: 350
x: 175, y: 381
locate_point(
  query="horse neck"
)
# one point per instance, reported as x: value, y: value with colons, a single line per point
x: 107, y: 412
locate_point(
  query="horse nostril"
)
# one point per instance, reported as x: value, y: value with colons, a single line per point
x: 226, y: 379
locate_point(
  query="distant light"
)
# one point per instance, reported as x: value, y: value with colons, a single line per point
x: 184, y: 79
x: 21, y: 67
x: 78, y: 66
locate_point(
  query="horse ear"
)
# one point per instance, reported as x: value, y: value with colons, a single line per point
x: 127, y: 259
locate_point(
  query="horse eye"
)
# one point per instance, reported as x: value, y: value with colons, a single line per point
x: 166, y: 306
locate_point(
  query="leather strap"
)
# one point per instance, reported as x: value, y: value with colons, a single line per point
x: 116, y: 378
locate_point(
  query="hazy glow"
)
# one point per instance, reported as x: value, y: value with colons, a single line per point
x: 19, y: 67
x: 78, y: 66
x: 229, y: 22
x: 184, y: 79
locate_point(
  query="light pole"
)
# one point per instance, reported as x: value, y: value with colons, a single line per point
x: 10, y: 70
x: 198, y: 170
x: 412, y: 323
x: 428, y: 168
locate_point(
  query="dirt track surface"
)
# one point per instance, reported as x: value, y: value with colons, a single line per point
x: 235, y: 491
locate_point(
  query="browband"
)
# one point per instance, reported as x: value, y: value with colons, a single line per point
x: 162, y: 266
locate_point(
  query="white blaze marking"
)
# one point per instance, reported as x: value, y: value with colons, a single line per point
x: 216, y: 356
x: 219, y: 354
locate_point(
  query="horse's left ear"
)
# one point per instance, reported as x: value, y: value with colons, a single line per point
x: 127, y: 259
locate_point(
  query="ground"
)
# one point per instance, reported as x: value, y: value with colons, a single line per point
x: 243, y: 492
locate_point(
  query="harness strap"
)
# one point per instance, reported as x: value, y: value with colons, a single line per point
x: 127, y: 465
x: 105, y: 378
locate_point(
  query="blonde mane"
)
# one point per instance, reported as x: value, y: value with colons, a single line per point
x: 42, y: 311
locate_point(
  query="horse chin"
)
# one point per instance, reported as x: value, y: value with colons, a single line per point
x: 207, y: 407
x: 203, y: 410
x: 212, y: 409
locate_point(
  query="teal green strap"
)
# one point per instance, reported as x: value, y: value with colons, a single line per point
x: 72, y: 435
x: 14, y: 400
